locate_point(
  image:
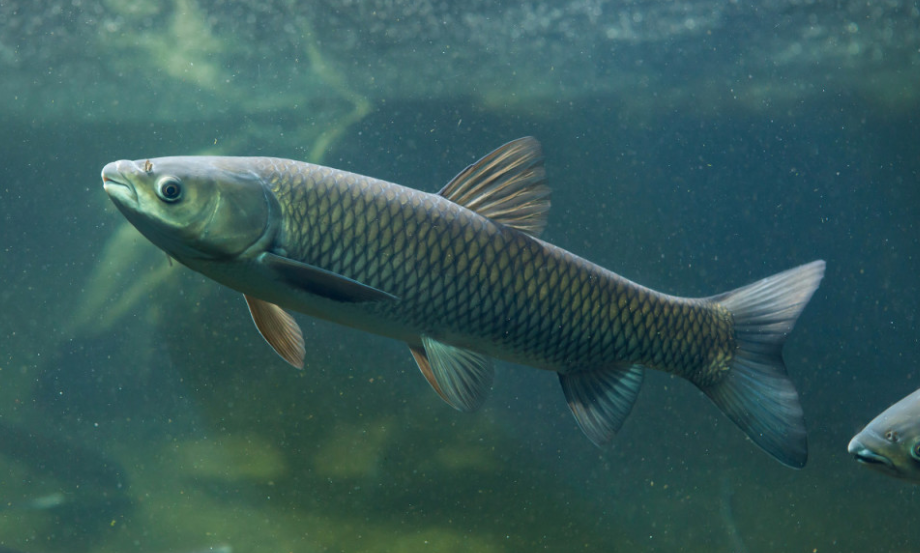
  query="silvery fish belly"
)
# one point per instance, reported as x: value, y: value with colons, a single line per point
x: 462, y: 277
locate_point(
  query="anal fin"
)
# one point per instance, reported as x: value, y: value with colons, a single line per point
x: 461, y: 377
x: 601, y: 400
x: 279, y: 329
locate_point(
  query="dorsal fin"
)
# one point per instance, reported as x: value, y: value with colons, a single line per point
x: 507, y: 186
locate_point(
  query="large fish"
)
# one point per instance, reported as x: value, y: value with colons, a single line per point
x: 891, y: 442
x: 461, y: 276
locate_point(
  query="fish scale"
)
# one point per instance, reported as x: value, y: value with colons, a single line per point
x: 461, y: 276
x: 454, y: 271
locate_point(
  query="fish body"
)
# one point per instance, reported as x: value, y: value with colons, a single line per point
x: 890, y: 443
x: 462, y: 277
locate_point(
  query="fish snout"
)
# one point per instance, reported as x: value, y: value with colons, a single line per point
x: 117, y: 185
x: 118, y: 170
x: 865, y: 455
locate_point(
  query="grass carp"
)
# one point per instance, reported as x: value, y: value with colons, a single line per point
x: 462, y: 277
x: 890, y: 443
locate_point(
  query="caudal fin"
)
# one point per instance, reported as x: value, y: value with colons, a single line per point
x: 755, y: 392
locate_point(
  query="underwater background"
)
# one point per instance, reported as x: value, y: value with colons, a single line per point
x: 692, y: 146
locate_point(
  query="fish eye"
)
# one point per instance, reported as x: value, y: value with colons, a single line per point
x: 169, y: 189
x: 915, y: 451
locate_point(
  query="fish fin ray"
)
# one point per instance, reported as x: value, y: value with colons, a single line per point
x: 321, y: 282
x: 279, y: 329
x: 755, y: 392
x: 460, y: 376
x: 506, y: 186
x: 601, y: 400
x: 421, y: 359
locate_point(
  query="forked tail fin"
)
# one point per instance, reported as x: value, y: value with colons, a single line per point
x: 755, y: 392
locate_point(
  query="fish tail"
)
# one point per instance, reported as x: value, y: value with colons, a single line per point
x: 755, y: 392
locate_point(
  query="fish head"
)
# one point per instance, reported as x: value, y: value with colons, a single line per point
x: 194, y: 207
x: 891, y: 442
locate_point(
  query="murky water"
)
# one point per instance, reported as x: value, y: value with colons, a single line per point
x: 140, y: 411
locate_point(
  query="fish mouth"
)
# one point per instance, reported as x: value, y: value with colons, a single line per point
x: 120, y: 189
x: 866, y: 456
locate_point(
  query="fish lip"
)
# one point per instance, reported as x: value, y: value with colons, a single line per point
x: 866, y: 456
x: 117, y: 187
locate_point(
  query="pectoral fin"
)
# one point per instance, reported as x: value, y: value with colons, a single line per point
x: 279, y: 329
x: 601, y: 400
x: 321, y: 282
x: 461, y: 377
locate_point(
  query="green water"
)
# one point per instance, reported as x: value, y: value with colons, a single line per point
x: 138, y: 401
